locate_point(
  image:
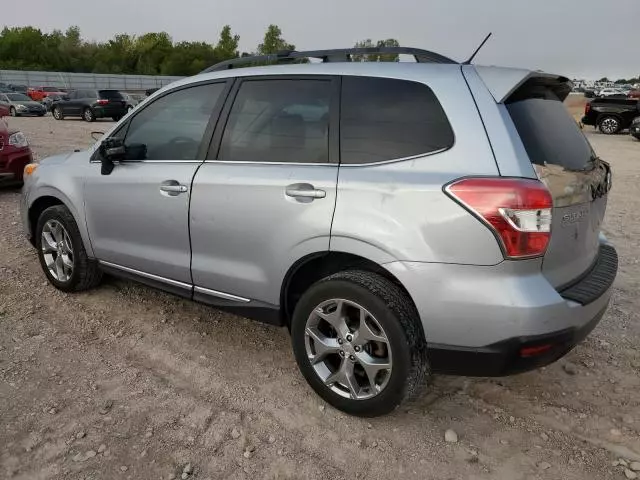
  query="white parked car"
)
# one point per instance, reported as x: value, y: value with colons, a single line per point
x: 607, y: 92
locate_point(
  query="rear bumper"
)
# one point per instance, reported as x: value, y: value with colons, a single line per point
x: 110, y: 111
x: 514, y: 355
x: 503, y: 319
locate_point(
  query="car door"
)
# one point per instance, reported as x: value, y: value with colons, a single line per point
x: 137, y: 216
x: 266, y: 194
x: 69, y: 105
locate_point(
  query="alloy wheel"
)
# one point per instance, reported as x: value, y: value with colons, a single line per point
x: 609, y: 125
x: 348, y: 349
x: 57, y: 250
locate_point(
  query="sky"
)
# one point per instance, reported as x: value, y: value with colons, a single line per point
x: 576, y: 38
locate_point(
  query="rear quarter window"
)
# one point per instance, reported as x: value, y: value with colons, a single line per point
x: 385, y: 119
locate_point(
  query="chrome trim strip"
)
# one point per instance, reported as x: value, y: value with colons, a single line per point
x: 215, y: 293
x: 150, y: 276
x: 245, y: 162
x: 342, y: 165
x: 152, y: 161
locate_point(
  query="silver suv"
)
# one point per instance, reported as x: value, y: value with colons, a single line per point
x: 399, y: 218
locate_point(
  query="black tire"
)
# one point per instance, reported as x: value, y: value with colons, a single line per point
x: 88, y: 115
x: 397, y: 316
x: 609, y: 124
x: 116, y: 118
x: 41, y: 114
x: 13, y: 112
x: 129, y: 108
x: 57, y: 113
x: 86, y: 273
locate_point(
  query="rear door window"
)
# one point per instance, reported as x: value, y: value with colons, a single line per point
x: 385, y: 119
x: 279, y: 121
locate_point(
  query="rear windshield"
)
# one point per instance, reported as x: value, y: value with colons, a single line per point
x: 549, y: 134
x: 110, y: 94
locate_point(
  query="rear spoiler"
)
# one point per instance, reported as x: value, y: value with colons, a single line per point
x: 503, y: 82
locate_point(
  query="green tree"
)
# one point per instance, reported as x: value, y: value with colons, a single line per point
x: 227, y: 47
x: 368, y: 43
x: 273, y: 41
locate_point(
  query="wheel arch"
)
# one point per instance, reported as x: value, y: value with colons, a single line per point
x: 50, y: 197
x: 315, y: 266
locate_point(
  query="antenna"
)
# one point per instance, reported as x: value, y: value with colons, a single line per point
x: 477, y: 50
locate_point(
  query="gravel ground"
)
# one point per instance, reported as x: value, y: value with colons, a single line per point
x: 127, y: 382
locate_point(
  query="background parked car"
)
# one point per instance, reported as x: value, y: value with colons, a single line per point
x: 589, y: 93
x: 19, y: 88
x: 634, y: 129
x: 90, y: 104
x: 49, y: 100
x: 132, y: 100
x: 634, y: 94
x: 612, y: 92
x: 39, y: 93
x: 611, y: 115
x: 20, y: 104
x: 15, y: 153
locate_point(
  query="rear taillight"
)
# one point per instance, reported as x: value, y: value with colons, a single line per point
x: 587, y: 107
x: 103, y: 102
x: 517, y: 210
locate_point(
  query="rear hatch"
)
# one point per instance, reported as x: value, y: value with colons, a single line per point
x: 577, y: 179
x: 112, y: 98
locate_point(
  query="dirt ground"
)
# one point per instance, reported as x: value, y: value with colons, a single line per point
x: 126, y: 382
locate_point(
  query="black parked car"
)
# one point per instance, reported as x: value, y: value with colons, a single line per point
x: 634, y: 129
x: 611, y: 115
x: 90, y: 104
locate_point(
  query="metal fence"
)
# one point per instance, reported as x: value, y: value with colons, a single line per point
x: 130, y: 83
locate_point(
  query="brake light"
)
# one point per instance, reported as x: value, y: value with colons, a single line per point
x: 517, y: 210
x: 587, y: 107
x: 102, y: 102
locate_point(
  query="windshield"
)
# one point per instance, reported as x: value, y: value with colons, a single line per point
x: 18, y: 97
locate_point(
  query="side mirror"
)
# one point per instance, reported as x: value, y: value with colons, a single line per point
x: 111, y: 149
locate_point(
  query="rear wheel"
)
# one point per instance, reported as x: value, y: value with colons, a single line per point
x: 61, y: 252
x: 88, y: 115
x: 57, y: 113
x: 609, y: 125
x: 359, y: 343
x: 116, y: 118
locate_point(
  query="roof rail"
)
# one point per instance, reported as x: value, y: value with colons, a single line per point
x: 335, y: 55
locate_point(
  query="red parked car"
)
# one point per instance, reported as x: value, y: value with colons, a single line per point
x: 38, y: 93
x: 634, y: 94
x: 15, y: 153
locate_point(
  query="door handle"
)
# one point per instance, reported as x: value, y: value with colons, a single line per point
x: 301, y: 192
x: 172, y: 187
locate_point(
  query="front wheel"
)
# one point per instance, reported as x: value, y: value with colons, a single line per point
x: 609, y: 125
x: 88, y: 115
x: 359, y: 343
x: 13, y: 112
x: 61, y: 252
x: 57, y: 113
x: 117, y: 118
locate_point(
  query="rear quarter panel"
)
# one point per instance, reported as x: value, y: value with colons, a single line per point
x: 398, y: 211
